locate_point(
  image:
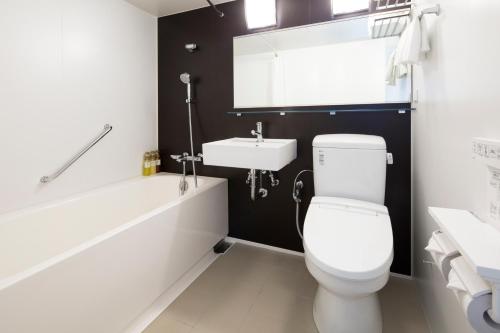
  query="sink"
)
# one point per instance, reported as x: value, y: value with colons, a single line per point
x: 271, y: 154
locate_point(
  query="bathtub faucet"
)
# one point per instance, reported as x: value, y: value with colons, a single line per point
x: 183, y: 184
x: 184, y: 158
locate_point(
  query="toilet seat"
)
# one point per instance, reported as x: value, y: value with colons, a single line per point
x: 348, y: 238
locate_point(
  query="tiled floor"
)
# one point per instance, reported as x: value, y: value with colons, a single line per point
x: 254, y: 290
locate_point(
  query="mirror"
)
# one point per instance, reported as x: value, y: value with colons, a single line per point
x: 333, y: 63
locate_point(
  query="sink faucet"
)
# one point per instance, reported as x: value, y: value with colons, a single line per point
x: 258, y: 132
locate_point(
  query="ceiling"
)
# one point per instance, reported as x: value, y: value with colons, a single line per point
x: 169, y: 7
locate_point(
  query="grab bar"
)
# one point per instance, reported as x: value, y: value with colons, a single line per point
x: 105, y: 131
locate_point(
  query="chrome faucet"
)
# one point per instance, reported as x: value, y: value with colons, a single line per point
x: 258, y: 132
x: 183, y: 184
x: 184, y: 158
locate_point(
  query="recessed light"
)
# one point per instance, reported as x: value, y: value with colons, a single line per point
x: 260, y: 13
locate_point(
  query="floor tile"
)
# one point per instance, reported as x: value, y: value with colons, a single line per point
x: 254, y: 290
x: 190, y: 306
x: 401, y: 309
x: 164, y: 324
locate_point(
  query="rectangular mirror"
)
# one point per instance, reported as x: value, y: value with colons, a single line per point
x: 333, y: 63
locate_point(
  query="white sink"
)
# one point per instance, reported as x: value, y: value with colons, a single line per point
x: 271, y: 154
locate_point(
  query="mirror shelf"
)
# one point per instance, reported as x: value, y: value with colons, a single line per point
x: 332, y: 110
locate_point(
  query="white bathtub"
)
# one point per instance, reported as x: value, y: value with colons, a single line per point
x: 103, y: 261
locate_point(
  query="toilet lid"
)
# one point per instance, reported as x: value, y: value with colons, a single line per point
x: 348, y: 238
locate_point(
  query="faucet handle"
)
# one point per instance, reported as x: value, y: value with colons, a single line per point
x: 177, y: 158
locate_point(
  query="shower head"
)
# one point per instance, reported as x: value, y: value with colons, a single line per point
x: 185, y: 78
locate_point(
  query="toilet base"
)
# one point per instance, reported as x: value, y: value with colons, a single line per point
x: 340, y: 314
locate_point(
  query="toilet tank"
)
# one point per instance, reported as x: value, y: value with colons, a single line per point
x: 350, y: 166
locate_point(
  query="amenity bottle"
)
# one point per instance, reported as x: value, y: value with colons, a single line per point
x: 146, y: 165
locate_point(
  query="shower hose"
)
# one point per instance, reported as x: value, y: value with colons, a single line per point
x: 298, y: 185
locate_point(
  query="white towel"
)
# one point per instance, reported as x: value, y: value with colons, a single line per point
x: 425, y: 45
x: 409, y: 47
x: 394, y: 71
x: 390, y: 76
x: 414, y: 43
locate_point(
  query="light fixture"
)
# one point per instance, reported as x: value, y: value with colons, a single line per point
x: 348, y: 6
x: 260, y: 13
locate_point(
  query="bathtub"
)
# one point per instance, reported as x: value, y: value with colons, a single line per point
x: 107, y: 260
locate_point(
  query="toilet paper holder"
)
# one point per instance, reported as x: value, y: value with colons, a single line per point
x: 442, y: 251
x: 474, y: 274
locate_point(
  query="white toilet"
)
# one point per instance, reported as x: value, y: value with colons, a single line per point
x: 347, y: 232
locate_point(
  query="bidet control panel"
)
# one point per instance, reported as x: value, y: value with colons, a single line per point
x: 487, y: 151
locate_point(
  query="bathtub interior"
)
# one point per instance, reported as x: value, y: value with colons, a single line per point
x: 33, y: 236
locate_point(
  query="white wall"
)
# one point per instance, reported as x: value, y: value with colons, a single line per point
x: 67, y: 67
x: 459, y: 99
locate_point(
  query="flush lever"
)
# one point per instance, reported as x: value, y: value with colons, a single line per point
x: 390, y: 159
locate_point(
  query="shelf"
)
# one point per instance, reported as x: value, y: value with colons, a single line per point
x: 400, y: 108
x: 478, y: 242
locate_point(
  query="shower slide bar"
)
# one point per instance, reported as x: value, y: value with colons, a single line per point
x: 105, y: 131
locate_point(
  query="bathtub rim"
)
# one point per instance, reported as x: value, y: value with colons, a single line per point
x: 5, y: 217
x: 46, y: 264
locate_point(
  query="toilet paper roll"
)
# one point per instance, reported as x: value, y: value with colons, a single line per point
x: 474, y: 295
x: 476, y: 311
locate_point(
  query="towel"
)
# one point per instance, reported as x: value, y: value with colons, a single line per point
x: 425, y: 45
x: 408, y: 50
x: 394, y: 71
x: 414, y: 43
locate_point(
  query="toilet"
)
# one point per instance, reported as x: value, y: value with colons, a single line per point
x: 348, y: 239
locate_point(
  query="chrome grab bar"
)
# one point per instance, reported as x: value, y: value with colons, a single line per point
x: 105, y: 131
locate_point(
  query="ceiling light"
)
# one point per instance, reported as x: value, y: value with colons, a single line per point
x: 260, y: 13
x: 348, y: 6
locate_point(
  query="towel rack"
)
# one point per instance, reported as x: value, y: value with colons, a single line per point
x: 105, y: 131
x: 390, y: 25
x: 395, y: 17
x: 392, y: 4
x: 436, y: 10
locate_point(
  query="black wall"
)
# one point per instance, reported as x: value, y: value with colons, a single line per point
x: 272, y: 220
